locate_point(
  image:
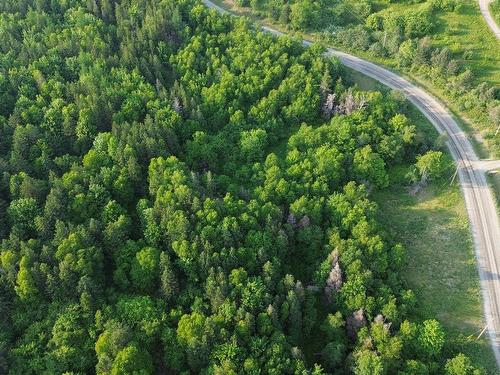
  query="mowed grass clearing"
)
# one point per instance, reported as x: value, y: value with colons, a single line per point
x: 494, y: 182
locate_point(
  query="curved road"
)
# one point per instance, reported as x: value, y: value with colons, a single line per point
x: 479, y: 200
x: 485, y: 11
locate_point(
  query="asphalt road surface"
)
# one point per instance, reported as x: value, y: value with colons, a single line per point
x: 479, y: 199
x: 485, y: 11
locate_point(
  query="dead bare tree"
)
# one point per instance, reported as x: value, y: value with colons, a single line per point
x: 176, y: 105
x: 334, y: 281
x: 362, y: 101
x: 304, y: 222
x: 354, y: 323
x: 329, y: 106
x: 350, y: 104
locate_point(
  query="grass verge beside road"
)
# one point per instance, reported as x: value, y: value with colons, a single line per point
x: 494, y: 182
x: 495, y: 11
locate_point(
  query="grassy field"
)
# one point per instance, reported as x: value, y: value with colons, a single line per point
x: 467, y: 32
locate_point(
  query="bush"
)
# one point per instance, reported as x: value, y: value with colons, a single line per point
x: 406, y: 53
x: 461, y: 365
x: 374, y: 22
x: 432, y: 165
x: 356, y: 38
x: 417, y: 24
x: 378, y: 49
x: 304, y: 15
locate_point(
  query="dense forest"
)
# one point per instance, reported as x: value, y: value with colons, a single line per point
x: 180, y: 193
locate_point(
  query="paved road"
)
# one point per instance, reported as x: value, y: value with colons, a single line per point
x: 485, y: 11
x: 488, y: 165
x: 471, y: 171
